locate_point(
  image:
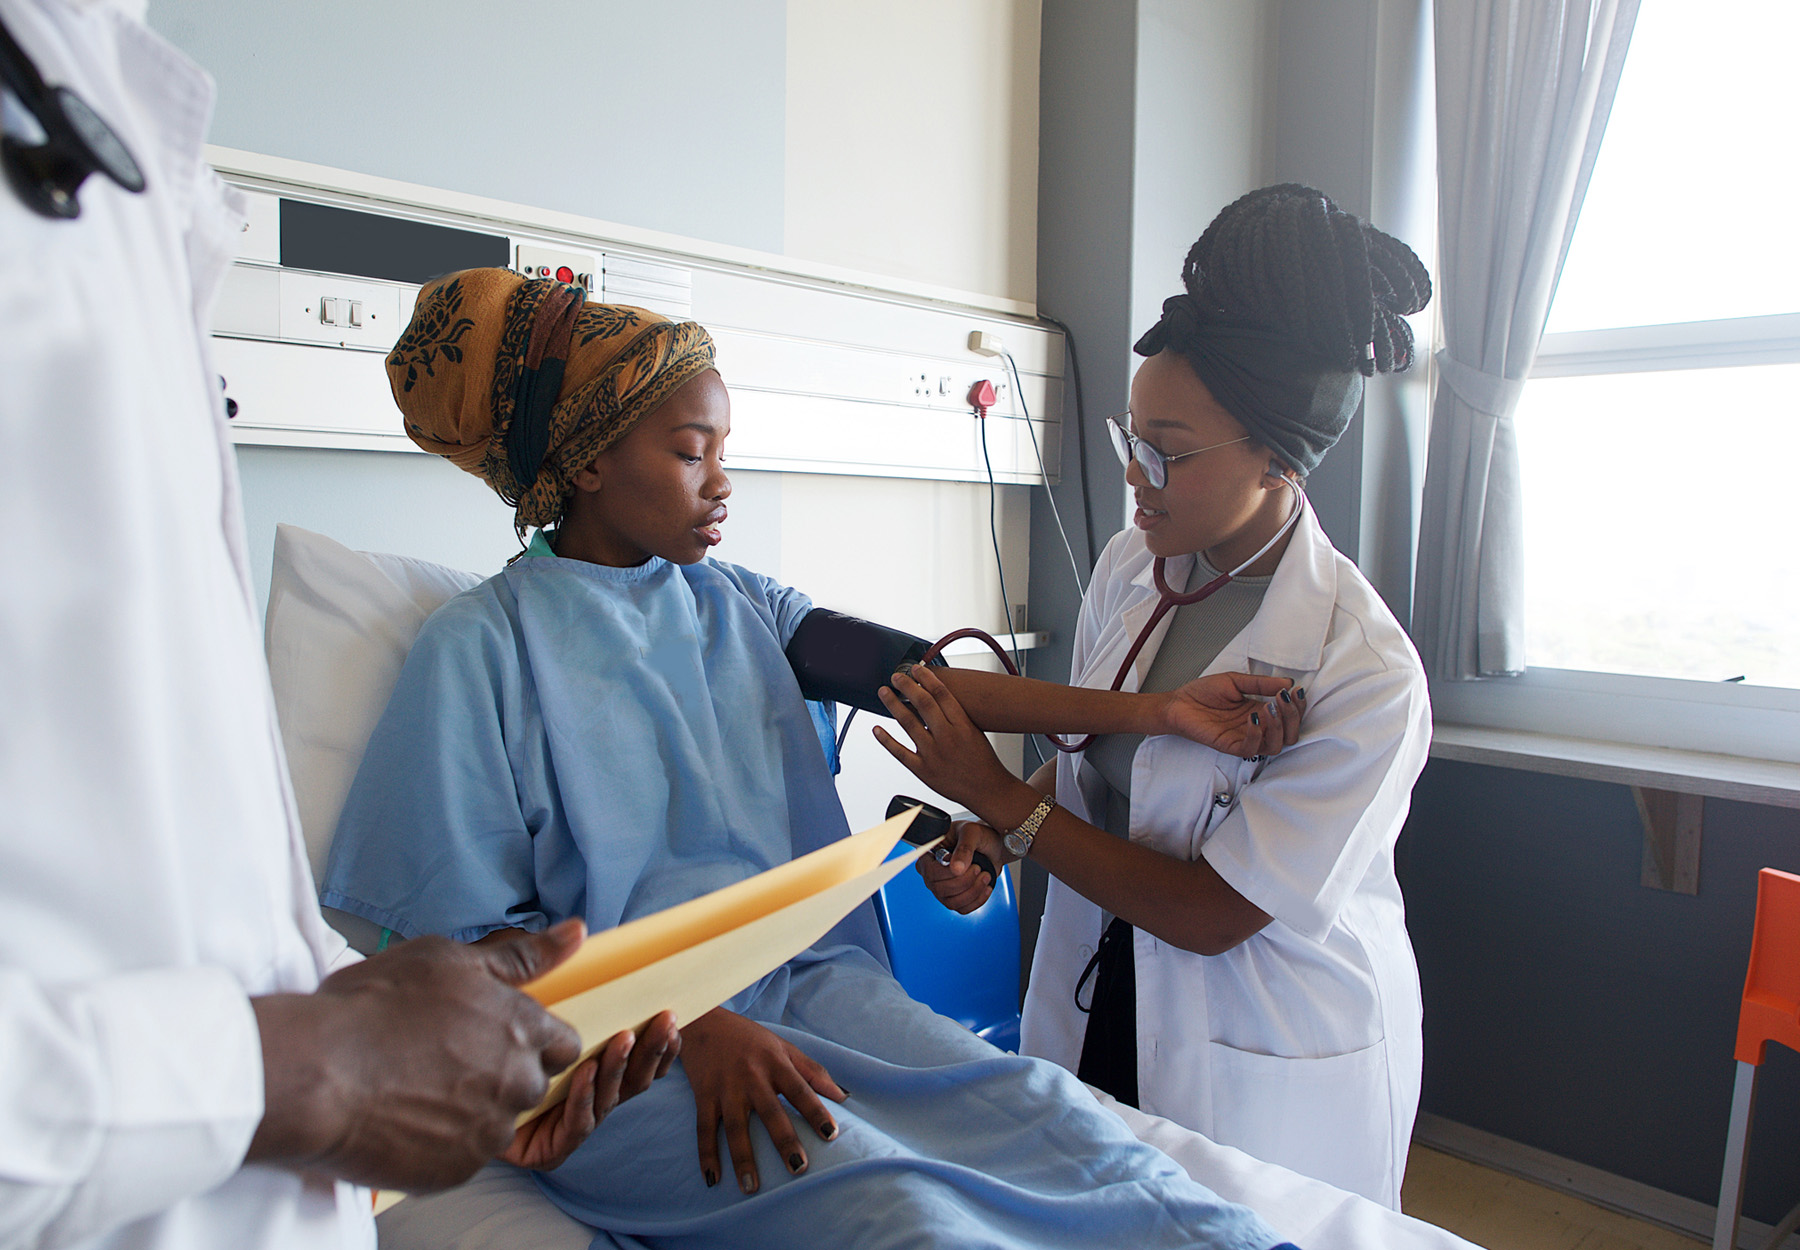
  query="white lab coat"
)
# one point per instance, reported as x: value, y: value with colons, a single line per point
x: 1301, y: 1045
x: 152, y: 875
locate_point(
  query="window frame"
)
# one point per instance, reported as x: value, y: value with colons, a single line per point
x: 1715, y: 718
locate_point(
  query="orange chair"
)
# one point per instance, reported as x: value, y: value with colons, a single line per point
x: 1771, y: 1013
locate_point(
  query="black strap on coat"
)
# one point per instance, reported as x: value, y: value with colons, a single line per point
x: 1109, y: 1048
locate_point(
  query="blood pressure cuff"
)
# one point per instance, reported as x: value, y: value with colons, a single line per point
x: 843, y: 659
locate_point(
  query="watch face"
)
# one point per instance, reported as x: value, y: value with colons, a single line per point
x: 1017, y: 845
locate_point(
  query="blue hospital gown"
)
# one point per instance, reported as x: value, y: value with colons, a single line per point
x: 573, y: 739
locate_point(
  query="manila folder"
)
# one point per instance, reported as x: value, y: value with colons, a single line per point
x: 695, y: 955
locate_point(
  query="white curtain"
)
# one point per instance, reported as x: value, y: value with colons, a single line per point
x: 1524, y: 89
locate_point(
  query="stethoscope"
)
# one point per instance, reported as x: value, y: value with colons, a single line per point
x: 1167, y: 600
x: 75, y: 142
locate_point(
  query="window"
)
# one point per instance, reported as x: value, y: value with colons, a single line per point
x: 1661, y: 429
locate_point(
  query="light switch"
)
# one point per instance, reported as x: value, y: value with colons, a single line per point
x: 344, y: 312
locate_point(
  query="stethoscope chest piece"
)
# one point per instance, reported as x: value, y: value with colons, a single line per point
x: 46, y: 170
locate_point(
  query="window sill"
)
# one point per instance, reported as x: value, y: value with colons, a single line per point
x: 1769, y: 782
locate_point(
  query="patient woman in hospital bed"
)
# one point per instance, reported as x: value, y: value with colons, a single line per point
x: 610, y: 727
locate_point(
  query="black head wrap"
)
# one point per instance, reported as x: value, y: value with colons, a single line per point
x: 1285, y: 399
x: 1291, y: 302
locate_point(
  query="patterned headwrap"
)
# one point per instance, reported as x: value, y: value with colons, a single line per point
x: 522, y: 382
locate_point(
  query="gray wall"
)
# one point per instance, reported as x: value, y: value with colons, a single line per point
x: 1320, y: 124
x: 1086, y: 113
x: 670, y: 116
x: 1349, y: 112
x: 1568, y: 1007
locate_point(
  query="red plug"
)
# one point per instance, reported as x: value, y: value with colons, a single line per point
x: 982, y: 397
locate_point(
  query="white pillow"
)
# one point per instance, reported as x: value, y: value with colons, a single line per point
x: 339, y: 625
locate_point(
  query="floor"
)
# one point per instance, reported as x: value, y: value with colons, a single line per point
x: 1503, y: 1212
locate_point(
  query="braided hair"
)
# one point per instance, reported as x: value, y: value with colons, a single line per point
x: 1288, y: 258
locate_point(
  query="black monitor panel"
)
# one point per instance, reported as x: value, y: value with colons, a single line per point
x: 367, y: 245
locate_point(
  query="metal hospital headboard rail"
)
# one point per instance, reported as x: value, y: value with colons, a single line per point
x: 830, y: 372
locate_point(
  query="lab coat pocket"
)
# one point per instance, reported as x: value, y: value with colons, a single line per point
x: 1326, y: 1118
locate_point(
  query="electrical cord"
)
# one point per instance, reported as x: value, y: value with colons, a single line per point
x: 1015, y: 663
x: 1081, y: 457
x: 994, y: 534
x: 1024, y: 410
x: 1015, y: 666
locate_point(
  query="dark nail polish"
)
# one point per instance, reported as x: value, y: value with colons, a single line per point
x: 1284, y: 697
x: 829, y: 1132
x: 712, y: 1178
x: 1300, y: 693
x: 1255, y: 719
x: 796, y: 1161
x: 844, y: 1091
x: 747, y: 1183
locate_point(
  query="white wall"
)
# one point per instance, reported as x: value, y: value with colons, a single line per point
x: 913, y: 555
x: 912, y: 135
x: 665, y: 115
x: 912, y: 152
x: 896, y: 139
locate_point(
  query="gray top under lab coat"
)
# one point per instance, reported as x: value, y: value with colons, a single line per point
x: 1197, y: 633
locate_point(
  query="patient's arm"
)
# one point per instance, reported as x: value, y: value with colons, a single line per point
x: 1215, y: 711
x: 739, y: 1069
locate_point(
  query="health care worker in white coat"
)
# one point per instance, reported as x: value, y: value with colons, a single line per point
x: 180, y: 1066
x: 1224, y: 940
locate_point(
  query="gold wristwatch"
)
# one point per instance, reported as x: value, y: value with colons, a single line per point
x: 1018, y: 841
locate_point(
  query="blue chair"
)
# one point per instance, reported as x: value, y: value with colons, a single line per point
x: 964, y: 967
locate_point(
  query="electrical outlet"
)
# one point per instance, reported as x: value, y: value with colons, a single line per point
x: 571, y: 267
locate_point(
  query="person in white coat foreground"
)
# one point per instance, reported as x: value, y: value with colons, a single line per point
x: 180, y: 1065
x: 1224, y: 940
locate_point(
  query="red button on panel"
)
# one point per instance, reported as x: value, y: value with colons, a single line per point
x: 565, y: 274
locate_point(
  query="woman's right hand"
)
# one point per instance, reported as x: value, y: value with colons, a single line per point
x: 737, y: 1067
x: 959, y: 885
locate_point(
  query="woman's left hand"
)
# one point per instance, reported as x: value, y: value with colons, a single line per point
x: 1236, y: 713
x: 740, y: 1069
x: 949, y: 753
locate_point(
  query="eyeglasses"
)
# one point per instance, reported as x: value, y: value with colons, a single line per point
x: 1153, y: 460
x: 47, y: 168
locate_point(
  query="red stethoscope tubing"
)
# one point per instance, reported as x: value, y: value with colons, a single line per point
x: 1166, y: 601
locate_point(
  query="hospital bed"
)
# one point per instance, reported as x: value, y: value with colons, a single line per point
x: 338, y: 628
